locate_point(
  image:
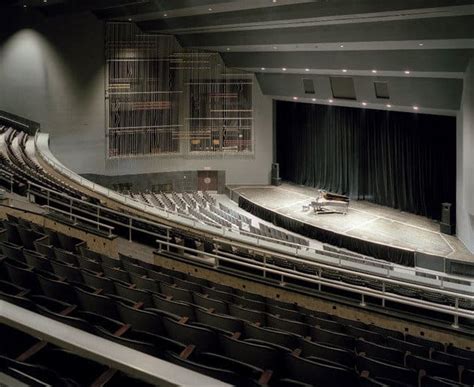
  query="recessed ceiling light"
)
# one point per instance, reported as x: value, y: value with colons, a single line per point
x: 331, y: 101
x: 342, y: 46
x: 227, y: 48
x: 407, y: 72
x: 209, y: 9
x: 415, y: 107
x: 374, y: 71
x: 306, y: 69
x: 313, y: 99
x: 284, y: 68
x: 420, y: 44
x: 344, y: 70
x: 364, y: 103
x: 295, y: 98
x: 165, y: 15
x: 263, y: 69
x: 389, y: 106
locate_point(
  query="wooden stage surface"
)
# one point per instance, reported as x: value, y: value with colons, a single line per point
x: 364, y: 220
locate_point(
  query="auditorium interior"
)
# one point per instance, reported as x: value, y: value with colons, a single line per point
x: 237, y: 192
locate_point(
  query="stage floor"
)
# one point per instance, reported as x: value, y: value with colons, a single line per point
x: 364, y: 220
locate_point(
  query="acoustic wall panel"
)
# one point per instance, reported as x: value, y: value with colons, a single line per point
x: 164, y: 100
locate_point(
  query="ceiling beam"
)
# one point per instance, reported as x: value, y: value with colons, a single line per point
x: 302, y: 14
x: 401, y: 30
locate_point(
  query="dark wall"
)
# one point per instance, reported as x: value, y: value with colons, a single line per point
x: 401, y: 160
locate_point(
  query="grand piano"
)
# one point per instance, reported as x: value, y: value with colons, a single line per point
x: 328, y: 202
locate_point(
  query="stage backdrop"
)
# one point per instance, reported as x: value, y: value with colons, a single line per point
x: 402, y: 160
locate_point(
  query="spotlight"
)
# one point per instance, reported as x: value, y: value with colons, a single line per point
x: 306, y: 69
x: 364, y: 103
x: 344, y: 70
x: 313, y: 99
x: 407, y: 72
x: 331, y: 101
x: 374, y: 71
x: 415, y: 107
x: 284, y: 68
x: 295, y: 98
x: 389, y: 106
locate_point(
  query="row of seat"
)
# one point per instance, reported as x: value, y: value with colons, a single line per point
x: 238, y: 325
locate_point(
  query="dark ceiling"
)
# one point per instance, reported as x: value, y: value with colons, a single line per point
x: 421, y: 48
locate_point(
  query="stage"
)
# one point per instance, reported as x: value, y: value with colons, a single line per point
x: 364, y: 221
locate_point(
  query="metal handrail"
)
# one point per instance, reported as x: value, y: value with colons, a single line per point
x: 130, y: 361
x: 265, y: 267
x: 74, y: 217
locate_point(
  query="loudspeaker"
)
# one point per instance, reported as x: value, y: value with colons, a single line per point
x: 447, y: 225
x: 275, y: 171
x: 276, y: 174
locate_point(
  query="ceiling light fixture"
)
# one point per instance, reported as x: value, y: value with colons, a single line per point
x: 284, y: 68
x: 364, y: 103
x: 420, y: 44
x: 165, y: 15
x: 306, y: 69
x: 313, y: 99
x: 331, y: 101
x: 374, y: 71
x: 209, y: 9
x: 295, y: 98
x: 342, y: 46
x: 263, y: 69
x: 274, y: 47
x: 415, y: 107
x: 274, y: 1
x: 389, y: 106
x: 227, y: 48
x: 407, y: 72
x: 129, y: 19
x: 344, y: 70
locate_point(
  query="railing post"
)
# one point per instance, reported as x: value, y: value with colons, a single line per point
x: 264, y: 265
x: 130, y: 229
x: 456, y: 317
x: 168, y: 238
x: 362, y: 301
x: 383, y: 298
x: 320, y: 275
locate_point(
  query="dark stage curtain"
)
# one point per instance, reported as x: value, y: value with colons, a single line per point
x: 402, y: 160
x: 376, y: 250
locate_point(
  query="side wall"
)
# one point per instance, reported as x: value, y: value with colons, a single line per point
x: 54, y: 74
x: 465, y: 162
